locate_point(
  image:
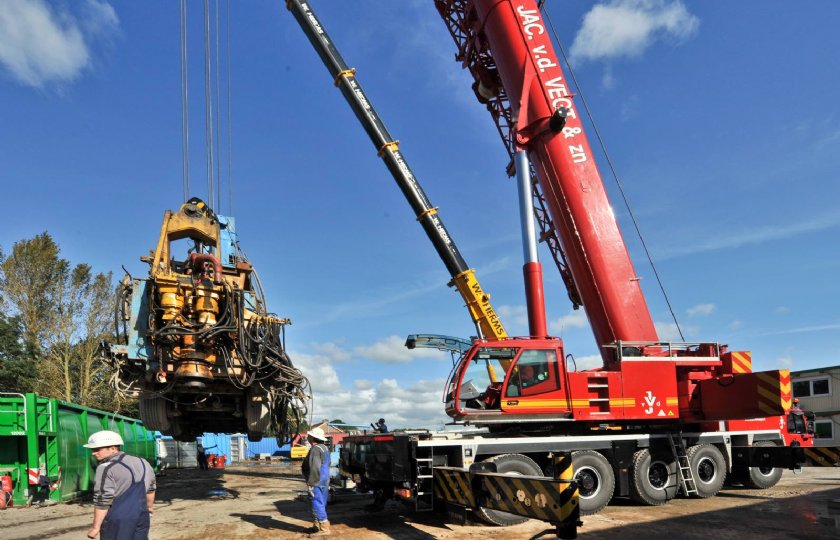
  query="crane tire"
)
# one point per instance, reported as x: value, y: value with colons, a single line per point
x: 708, y: 467
x: 596, y: 480
x: 513, y: 464
x: 762, y: 477
x: 654, y: 478
x: 153, y: 413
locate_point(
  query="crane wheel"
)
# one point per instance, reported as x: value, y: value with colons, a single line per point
x: 513, y: 464
x: 153, y: 412
x: 708, y: 468
x: 654, y: 477
x: 596, y: 480
x: 762, y: 477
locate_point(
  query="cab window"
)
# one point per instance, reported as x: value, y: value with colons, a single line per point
x: 482, y: 381
x: 534, y: 373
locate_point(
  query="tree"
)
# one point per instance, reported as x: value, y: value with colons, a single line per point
x: 27, y: 281
x: 64, y: 312
x: 17, y: 371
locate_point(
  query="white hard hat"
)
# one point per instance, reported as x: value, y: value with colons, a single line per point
x: 317, y: 433
x: 101, y: 439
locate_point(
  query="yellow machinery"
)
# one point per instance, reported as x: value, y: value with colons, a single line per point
x: 195, y: 341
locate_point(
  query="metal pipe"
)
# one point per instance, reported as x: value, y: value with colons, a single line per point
x: 532, y: 269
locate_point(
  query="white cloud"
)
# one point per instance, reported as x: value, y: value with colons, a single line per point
x: 736, y: 325
x: 575, y: 319
x: 781, y: 310
x: 804, y: 329
x: 701, y: 309
x: 786, y: 362
x: 587, y: 362
x: 392, y: 350
x: 331, y: 350
x: 667, y: 331
x: 417, y: 405
x: 362, y: 384
x: 513, y: 316
x: 41, y: 44
x: 736, y: 239
x: 626, y: 28
x: 322, y: 376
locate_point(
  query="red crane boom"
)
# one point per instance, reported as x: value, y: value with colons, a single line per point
x: 504, y: 43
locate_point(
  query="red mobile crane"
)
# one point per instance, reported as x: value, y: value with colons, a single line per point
x: 658, y: 418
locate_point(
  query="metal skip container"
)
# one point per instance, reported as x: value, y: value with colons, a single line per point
x: 41, y: 446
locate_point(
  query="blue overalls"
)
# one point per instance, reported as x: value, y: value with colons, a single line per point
x: 322, y: 490
x: 128, y: 517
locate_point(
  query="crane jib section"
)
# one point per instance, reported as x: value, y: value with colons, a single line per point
x: 513, y: 33
x: 463, y: 278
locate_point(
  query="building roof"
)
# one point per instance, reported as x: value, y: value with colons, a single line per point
x: 815, y: 370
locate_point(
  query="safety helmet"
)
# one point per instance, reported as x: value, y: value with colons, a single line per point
x: 381, y: 420
x: 104, y: 438
x: 317, y: 433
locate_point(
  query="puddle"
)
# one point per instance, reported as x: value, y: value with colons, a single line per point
x: 220, y: 494
x: 829, y: 514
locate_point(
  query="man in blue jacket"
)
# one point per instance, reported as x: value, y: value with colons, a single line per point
x: 316, y: 473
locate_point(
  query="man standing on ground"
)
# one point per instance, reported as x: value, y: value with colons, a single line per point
x: 316, y: 473
x: 124, y: 491
x: 201, y: 455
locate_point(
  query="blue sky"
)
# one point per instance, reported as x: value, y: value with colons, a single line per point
x: 722, y: 120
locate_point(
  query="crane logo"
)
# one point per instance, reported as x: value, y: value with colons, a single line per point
x: 650, y: 401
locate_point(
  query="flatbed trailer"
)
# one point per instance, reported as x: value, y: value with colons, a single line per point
x: 650, y: 467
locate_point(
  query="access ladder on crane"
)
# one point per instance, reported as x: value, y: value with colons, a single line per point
x: 689, y: 487
x: 425, y: 496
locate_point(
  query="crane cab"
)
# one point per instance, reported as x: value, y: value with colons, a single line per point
x: 498, y: 378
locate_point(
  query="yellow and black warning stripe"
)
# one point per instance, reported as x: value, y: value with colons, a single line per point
x: 540, y: 498
x: 453, y: 485
x: 547, y: 499
x: 823, y: 456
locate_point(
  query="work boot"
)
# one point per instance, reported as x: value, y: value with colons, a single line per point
x: 314, y: 528
x: 323, y: 529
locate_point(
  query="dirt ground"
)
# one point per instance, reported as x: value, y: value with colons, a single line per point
x: 260, y: 500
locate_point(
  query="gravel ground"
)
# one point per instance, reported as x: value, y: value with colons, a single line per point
x: 262, y: 501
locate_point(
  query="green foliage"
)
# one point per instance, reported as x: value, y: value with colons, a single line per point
x: 54, y: 315
x: 16, y: 368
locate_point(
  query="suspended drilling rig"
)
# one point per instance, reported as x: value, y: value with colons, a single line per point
x: 195, y: 341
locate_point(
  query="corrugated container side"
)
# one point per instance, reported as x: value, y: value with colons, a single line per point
x: 266, y: 446
x: 41, y: 445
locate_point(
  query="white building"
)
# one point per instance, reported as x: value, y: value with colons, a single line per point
x: 818, y: 391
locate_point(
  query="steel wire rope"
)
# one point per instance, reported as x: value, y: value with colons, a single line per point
x: 208, y: 104
x: 216, y: 109
x: 229, y: 128
x: 185, y: 104
x: 612, y: 168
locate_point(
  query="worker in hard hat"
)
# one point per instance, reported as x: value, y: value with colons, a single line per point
x: 124, y: 491
x: 316, y: 473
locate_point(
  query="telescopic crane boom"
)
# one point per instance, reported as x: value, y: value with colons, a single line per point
x: 484, y: 317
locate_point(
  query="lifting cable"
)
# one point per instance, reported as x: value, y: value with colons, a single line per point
x: 216, y: 109
x: 185, y: 105
x: 612, y: 168
x: 208, y: 104
x: 229, y: 131
x: 212, y: 111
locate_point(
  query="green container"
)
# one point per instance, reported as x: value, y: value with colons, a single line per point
x: 41, y: 445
